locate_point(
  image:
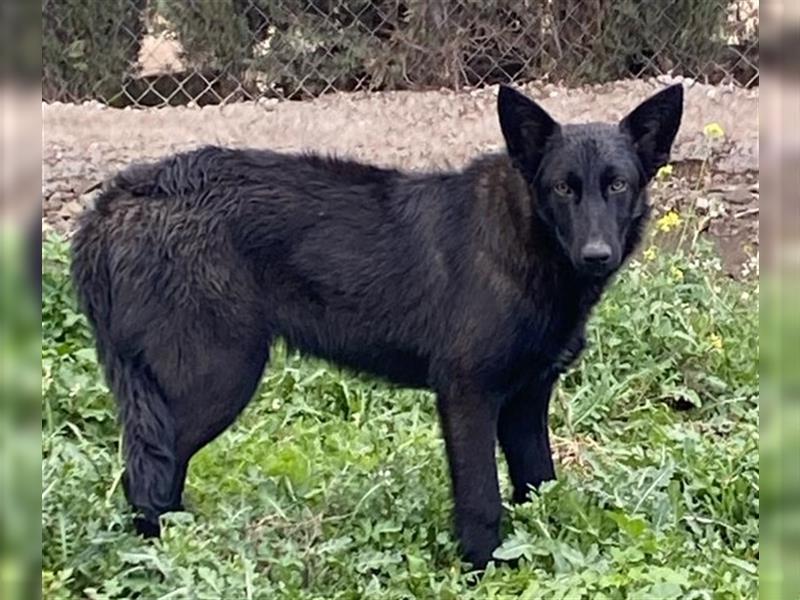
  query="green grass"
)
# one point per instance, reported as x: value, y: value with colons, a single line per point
x: 335, y: 486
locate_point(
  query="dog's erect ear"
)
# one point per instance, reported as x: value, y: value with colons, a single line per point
x: 526, y: 128
x: 653, y: 125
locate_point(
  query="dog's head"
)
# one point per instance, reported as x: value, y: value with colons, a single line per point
x: 589, y: 182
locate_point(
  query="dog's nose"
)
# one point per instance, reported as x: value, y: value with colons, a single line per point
x: 596, y: 253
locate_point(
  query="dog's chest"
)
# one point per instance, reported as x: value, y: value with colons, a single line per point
x: 544, y: 329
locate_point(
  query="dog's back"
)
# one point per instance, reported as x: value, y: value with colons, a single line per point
x: 305, y: 247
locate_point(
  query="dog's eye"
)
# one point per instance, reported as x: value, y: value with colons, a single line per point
x: 618, y: 185
x: 562, y: 189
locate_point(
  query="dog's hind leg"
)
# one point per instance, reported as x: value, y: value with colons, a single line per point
x: 148, y: 441
x: 188, y: 391
x: 203, y: 407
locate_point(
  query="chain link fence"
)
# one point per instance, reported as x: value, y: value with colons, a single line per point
x: 169, y: 52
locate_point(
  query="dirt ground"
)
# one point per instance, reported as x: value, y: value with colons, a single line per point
x: 83, y: 144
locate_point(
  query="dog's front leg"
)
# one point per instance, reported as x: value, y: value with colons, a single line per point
x: 571, y: 352
x: 469, y: 424
x: 524, y: 437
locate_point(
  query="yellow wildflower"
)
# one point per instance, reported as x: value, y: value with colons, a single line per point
x: 713, y: 130
x: 716, y: 341
x: 669, y: 221
x: 650, y: 253
x: 664, y: 172
x: 677, y: 274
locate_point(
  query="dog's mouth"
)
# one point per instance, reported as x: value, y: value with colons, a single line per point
x: 594, y: 270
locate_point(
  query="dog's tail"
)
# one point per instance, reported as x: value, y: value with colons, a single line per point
x: 148, y: 425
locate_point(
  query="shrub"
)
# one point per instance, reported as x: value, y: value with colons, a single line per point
x: 310, y: 46
x: 89, y: 48
x: 213, y: 33
x: 296, y: 48
x: 601, y: 40
x: 293, y: 45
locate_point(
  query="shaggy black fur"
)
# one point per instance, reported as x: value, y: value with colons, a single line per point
x: 475, y: 284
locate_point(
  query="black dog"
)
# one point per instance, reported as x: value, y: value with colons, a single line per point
x: 476, y: 284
